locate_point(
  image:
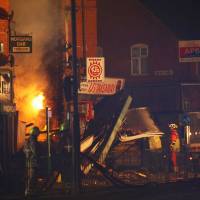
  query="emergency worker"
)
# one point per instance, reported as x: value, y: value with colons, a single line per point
x: 62, y: 156
x: 174, y: 145
x: 31, y: 153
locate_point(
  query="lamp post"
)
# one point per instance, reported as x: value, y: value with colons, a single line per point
x: 48, y: 115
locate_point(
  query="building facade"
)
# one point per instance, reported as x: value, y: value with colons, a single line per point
x: 6, y: 84
x: 140, y: 47
x: 8, y: 114
x: 86, y: 27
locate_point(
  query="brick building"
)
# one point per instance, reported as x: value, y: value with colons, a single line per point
x: 86, y: 17
x: 132, y: 26
x: 4, y: 8
x: 140, y: 47
x: 6, y: 92
x: 8, y: 115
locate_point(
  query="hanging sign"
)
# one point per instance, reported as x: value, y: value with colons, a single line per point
x: 95, y: 69
x: 21, y: 44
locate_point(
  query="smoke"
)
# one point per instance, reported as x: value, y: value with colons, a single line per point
x: 140, y: 120
x: 40, y: 70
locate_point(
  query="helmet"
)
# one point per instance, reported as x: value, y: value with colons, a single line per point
x: 64, y: 125
x: 173, y: 126
x: 35, y: 131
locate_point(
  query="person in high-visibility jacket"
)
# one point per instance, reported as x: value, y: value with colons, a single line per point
x: 31, y: 153
x: 174, y: 145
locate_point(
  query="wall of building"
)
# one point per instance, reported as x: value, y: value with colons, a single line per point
x: 4, y: 4
x: 86, y: 27
x: 121, y: 25
x: 8, y: 115
x: 5, y: 73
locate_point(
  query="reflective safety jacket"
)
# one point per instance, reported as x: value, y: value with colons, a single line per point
x: 175, y: 141
x: 30, y: 150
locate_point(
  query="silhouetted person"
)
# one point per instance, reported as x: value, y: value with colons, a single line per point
x: 174, y: 145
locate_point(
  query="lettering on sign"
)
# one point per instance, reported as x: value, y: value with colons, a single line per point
x: 189, y: 51
x: 21, y: 44
x: 108, y: 87
x: 164, y: 72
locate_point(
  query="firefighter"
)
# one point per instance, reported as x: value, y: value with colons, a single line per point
x: 174, y: 145
x: 31, y: 153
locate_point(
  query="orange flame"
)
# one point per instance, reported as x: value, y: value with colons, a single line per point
x: 31, y: 106
x: 38, y: 102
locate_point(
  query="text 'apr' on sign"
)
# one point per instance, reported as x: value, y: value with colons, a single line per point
x: 189, y: 51
x: 21, y: 44
x: 95, y: 69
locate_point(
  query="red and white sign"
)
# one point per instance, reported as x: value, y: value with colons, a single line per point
x: 95, y: 69
x: 108, y: 87
x: 189, y: 51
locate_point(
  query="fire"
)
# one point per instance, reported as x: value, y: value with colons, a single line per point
x: 31, y: 102
x: 38, y: 102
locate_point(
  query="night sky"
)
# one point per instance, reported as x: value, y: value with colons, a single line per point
x: 183, y: 16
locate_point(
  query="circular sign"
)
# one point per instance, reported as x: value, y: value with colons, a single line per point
x: 94, y: 70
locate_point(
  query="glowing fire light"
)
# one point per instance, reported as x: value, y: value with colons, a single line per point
x: 37, y: 102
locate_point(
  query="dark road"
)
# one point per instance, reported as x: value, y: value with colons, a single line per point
x: 173, y: 191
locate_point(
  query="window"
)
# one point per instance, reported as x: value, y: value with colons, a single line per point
x: 139, y: 59
x: 5, y: 87
x: 5, y: 83
x: 1, y: 47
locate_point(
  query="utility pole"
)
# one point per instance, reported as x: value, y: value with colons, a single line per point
x: 76, y: 125
x: 83, y: 30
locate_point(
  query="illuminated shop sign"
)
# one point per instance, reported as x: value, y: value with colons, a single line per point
x: 189, y: 51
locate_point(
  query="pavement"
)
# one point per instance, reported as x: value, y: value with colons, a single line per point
x: 182, y: 190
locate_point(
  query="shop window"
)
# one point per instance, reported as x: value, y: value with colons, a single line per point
x: 5, y: 83
x: 139, y: 59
